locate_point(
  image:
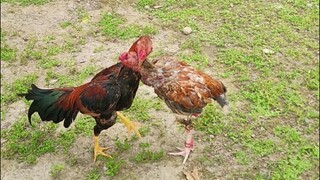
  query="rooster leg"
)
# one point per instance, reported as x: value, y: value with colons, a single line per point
x: 98, y: 150
x: 131, y: 126
x: 188, y: 146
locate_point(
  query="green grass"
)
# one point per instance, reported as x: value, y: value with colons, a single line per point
x: 139, y: 109
x: 7, y: 54
x: 83, y: 15
x: 288, y: 134
x: 48, y: 63
x: 65, y: 24
x: 20, y: 85
x: 144, y: 130
x: 56, y: 170
x: 270, y: 86
x: 198, y: 58
x: 290, y: 167
x: 272, y: 130
x: 84, y: 126
x: 66, y: 139
x: 26, y: 2
x: 241, y: 157
x: 122, y: 146
x: 98, y: 49
x: 142, y: 3
x: 93, y: 174
x: 113, y: 166
x: 43, y: 50
x: 72, y: 78
x: 26, y: 143
x: 210, y: 121
x: 261, y: 147
x: 110, y: 24
x: 145, y: 156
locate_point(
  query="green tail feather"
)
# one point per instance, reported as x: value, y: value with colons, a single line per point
x: 45, y: 103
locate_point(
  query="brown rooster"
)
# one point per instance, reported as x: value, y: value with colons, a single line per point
x: 111, y: 90
x: 185, y: 90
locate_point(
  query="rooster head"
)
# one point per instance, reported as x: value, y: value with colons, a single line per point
x: 130, y: 59
x: 143, y: 47
x: 138, y: 52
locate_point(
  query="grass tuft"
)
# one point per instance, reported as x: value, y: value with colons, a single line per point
x: 122, y: 146
x: 138, y: 110
x: 93, y: 174
x: 113, y: 166
x: 7, y: 54
x: 26, y: 143
x: 56, y: 170
x: 19, y: 86
x: 290, y: 167
x: 145, y: 156
x: 112, y: 26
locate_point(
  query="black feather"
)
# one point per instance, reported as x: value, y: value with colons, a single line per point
x: 45, y: 103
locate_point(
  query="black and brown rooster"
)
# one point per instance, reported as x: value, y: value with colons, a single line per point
x: 111, y: 90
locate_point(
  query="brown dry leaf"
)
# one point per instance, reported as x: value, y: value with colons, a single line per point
x: 194, y: 175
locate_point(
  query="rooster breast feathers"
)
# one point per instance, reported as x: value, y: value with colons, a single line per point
x: 100, y: 96
x: 184, y: 89
x: 110, y: 91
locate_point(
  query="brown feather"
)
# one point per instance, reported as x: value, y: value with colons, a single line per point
x: 184, y: 89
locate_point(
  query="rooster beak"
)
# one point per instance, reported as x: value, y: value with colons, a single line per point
x: 142, y: 55
x: 140, y: 64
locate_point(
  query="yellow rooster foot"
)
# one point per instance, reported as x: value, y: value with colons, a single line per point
x: 185, y: 152
x: 131, y: 126
x: 99, y: 150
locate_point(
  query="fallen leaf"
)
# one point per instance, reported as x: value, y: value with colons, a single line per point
x: 194, y: 175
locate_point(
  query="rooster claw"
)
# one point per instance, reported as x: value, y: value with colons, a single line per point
x: 99, y: 150
x: 131, y: 126
x: 185, y: 152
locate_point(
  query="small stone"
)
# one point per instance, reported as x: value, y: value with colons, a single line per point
x: 25, y: 39
x: 187, y: 30
x: 262, y: 128
x: 157, y: 7
x: 308, y: 121
x: 53, y: 81
x: 210, y: 169
x: 253, y: 135
x: 267, y: 51
x: 278, y: 6
x: 146, y: 7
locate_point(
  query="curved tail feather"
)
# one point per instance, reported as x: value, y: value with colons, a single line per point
x: 45, y: 102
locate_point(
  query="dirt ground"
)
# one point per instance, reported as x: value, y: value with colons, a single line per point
x: 44, y: 20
